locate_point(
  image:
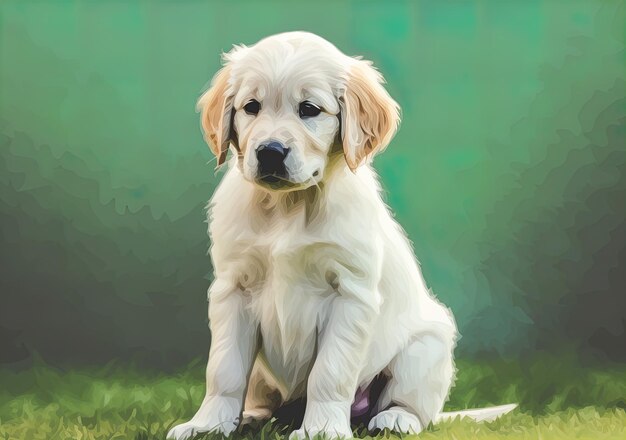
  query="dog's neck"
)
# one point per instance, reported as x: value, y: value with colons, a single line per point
x: 293, y: 204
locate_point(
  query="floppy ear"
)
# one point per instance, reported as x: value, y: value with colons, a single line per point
x: 370, y: 116
x: 215, y: 106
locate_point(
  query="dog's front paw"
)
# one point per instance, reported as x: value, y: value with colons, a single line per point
x: 327, y: 433
x: 188, y: 430
x: 330, y: 420
x: 216, y: 414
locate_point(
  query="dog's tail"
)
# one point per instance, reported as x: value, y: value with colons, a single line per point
x: 478, y: 414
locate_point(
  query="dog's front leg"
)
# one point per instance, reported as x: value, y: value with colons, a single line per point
x: 234, y: 344
x: 333, y: 379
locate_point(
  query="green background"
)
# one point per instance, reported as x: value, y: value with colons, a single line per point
x: 508, y: 172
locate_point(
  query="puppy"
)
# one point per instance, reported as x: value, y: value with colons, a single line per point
x: 316, y: 292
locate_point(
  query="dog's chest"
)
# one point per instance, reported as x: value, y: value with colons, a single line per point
x: 289, y: 285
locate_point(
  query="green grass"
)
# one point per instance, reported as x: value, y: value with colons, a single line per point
x: 557, y: 401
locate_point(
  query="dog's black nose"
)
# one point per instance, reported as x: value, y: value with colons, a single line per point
x: 271, y: 157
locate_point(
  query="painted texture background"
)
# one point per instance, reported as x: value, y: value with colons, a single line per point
x: 508, y: 173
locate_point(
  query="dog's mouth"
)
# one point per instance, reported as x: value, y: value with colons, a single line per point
x: 276, y: 182
x: 272, y: 179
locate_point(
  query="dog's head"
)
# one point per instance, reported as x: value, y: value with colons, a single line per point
x: 289, y: 103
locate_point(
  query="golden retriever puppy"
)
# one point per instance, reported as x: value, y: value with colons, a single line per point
x: 317, y: 292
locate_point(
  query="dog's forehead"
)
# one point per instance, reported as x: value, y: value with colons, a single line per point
x: 289, y: 70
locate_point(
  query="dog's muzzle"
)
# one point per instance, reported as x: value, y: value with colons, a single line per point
x: 271, y: 159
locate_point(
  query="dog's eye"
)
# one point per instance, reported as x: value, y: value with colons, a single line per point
x: 308, y: 110
x: 253, y: 107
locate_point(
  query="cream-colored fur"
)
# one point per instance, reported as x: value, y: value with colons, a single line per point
x: 316, y: 285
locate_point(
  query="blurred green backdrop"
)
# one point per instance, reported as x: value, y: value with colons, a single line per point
x: 508, y: 172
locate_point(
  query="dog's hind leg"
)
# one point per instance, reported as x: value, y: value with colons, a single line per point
x: 420, y: 379
x: 263, y: 396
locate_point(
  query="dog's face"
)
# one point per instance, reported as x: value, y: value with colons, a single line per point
x: 289, y: 103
